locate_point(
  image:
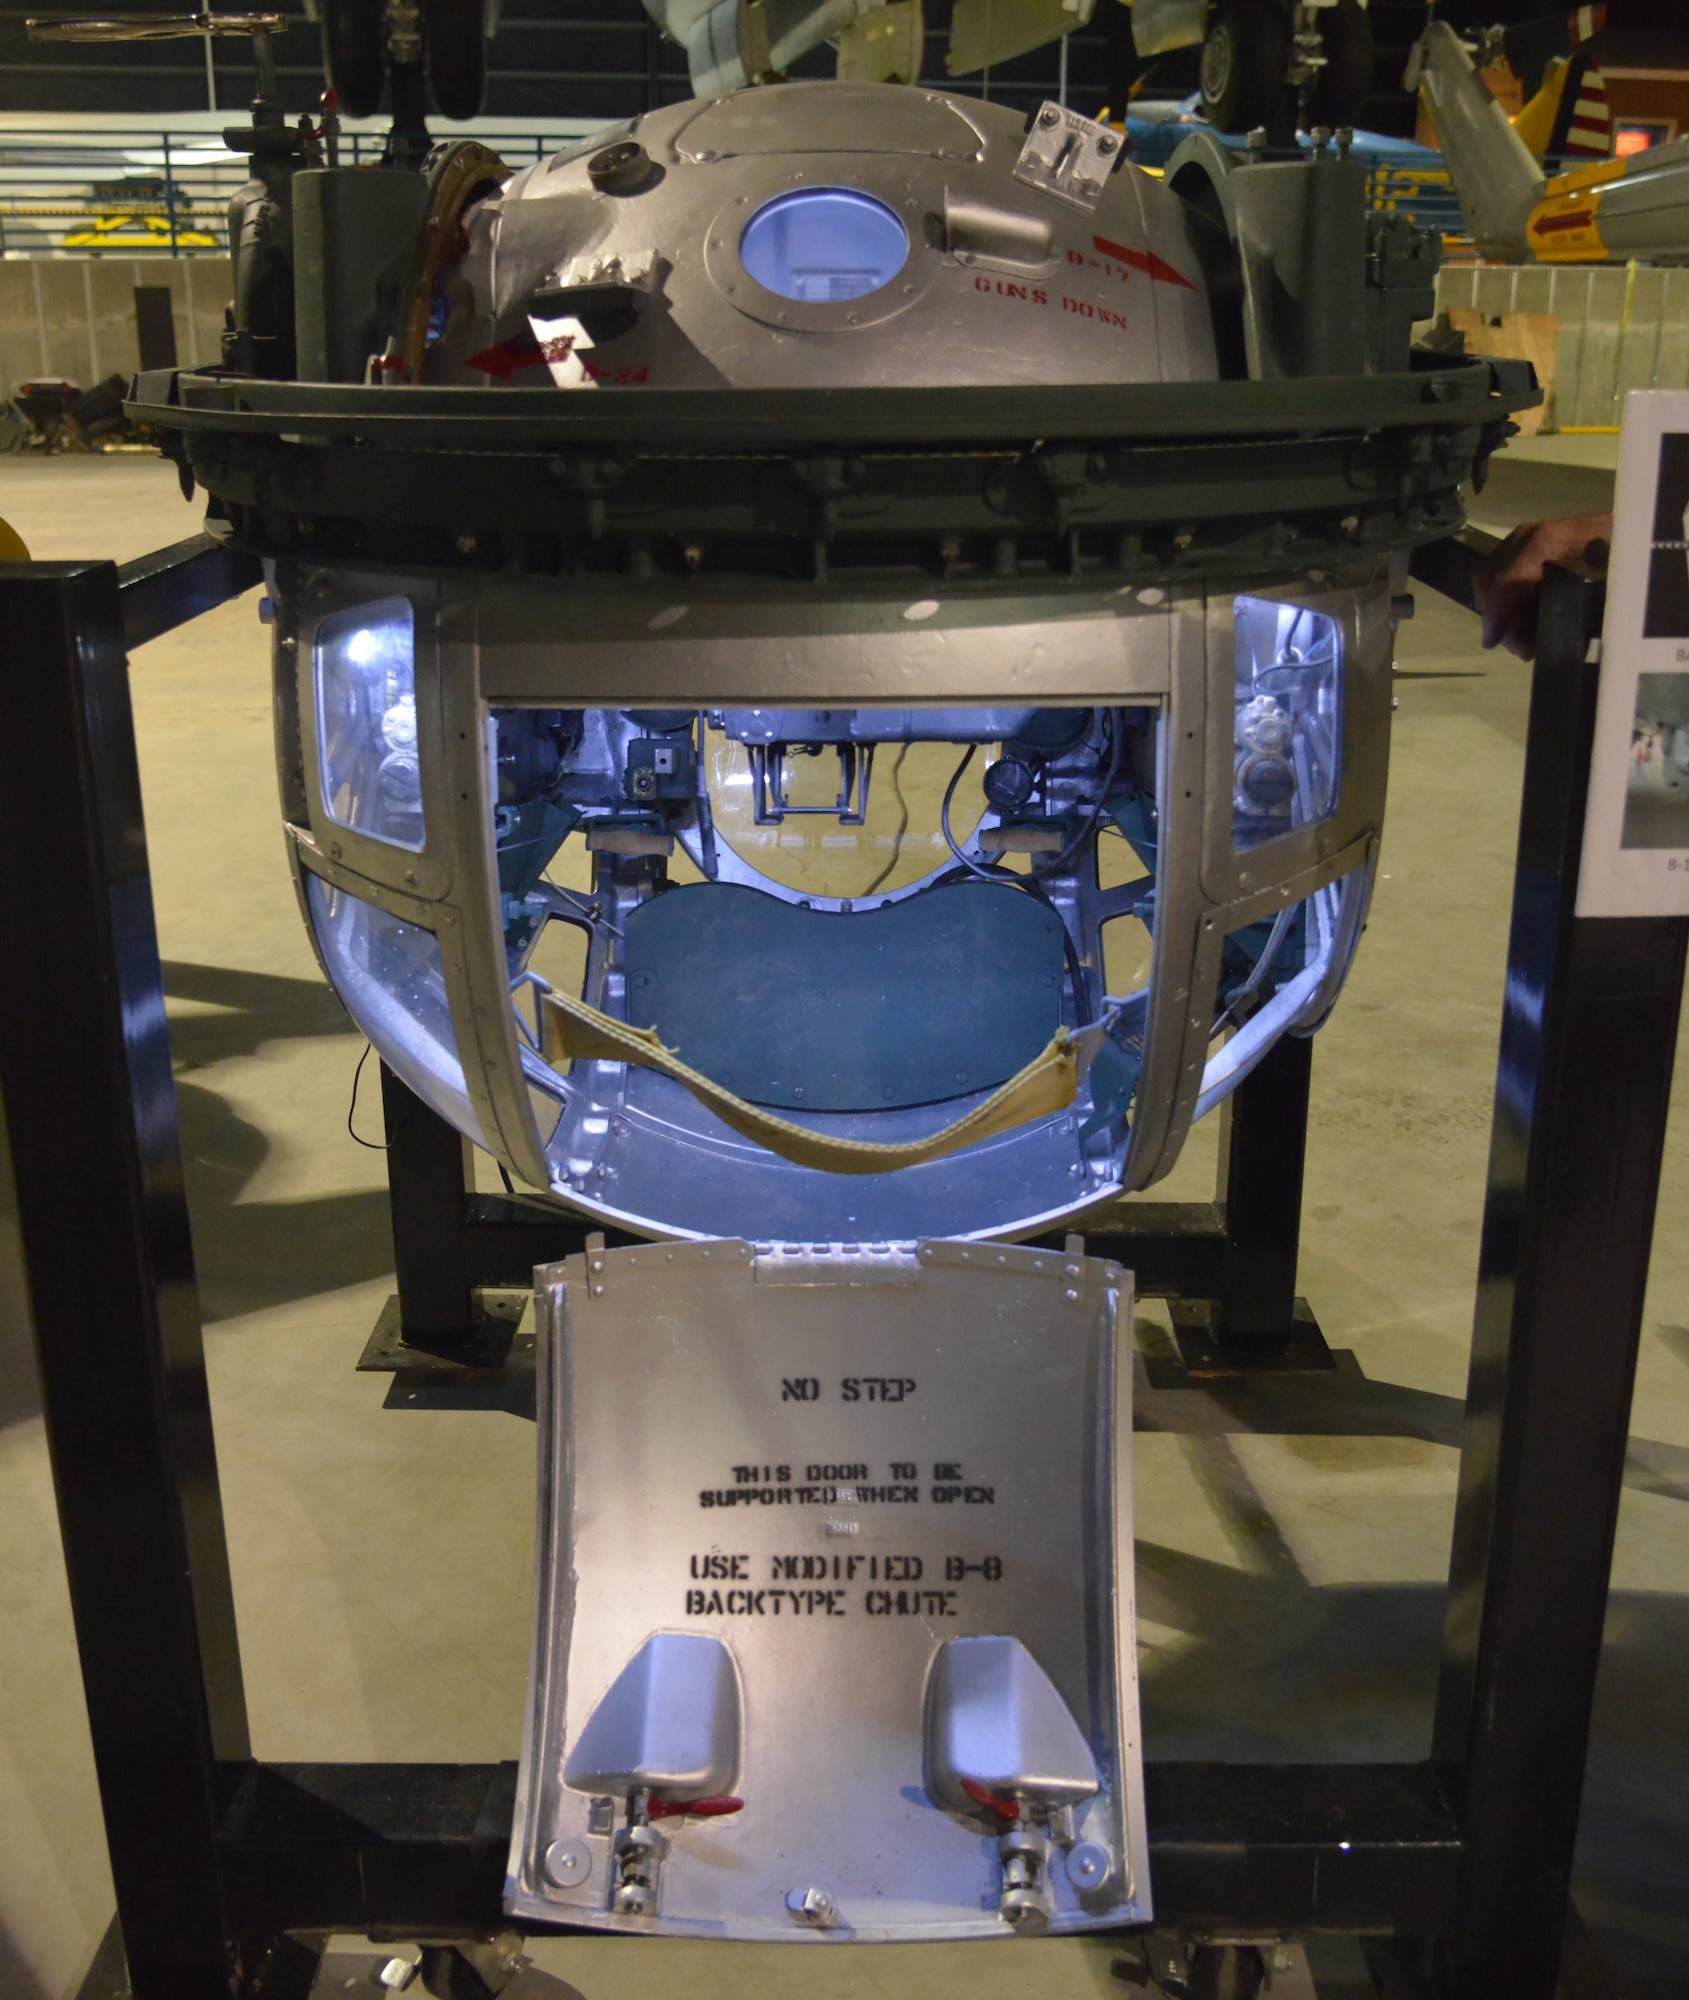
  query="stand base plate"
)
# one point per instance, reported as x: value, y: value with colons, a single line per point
x: 1207, y: 1354
x: 491, y: 1343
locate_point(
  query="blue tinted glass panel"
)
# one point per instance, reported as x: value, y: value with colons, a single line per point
x: 390, y: 975
x: 822, y: 244
x: 366, y: 721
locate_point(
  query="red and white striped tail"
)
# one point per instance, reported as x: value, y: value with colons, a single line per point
x: 1591, y: 129
x: 1584, y: 22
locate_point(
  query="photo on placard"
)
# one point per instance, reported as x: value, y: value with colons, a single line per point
x: 1666, y: 614
x: 1656, y: 806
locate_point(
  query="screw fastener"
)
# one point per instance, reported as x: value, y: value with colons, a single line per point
x: 568, y: 1862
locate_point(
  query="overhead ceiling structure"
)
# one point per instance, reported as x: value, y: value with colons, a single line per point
x: 605, y: 59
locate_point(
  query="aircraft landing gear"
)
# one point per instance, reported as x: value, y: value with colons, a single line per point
x: 1285, y: 67
x: 365, y: 41
x: 1244, y: 55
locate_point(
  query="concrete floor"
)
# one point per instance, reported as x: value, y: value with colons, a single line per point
x: 1290, y: 1581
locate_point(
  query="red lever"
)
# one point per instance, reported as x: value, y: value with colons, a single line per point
x: 699, y: 1808
x: 1004, y: 1808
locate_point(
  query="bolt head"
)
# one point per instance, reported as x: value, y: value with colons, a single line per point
x: 1088, y: 1866
x: 1049, y: 116
x: 568, y: 1862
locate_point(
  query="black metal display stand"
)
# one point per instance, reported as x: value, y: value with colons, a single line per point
x: 216, y: 1856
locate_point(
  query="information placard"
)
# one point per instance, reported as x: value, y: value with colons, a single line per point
x: 1636, y: 830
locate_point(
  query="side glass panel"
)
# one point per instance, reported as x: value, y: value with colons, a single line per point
x: 366, y: 721
x: 1287, y: 729
x: 390, y: 976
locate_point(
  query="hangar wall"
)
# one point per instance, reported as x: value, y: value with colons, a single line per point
x: 75, y: 316
x: 1616, y: 327
x: 1601, y: 329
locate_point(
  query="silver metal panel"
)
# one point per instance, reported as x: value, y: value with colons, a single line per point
x: 833, y: 1460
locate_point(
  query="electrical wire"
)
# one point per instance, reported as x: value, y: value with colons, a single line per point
x: 1117, y: 744
x: 352, y: 1108
x: 902, y: 824
x: 1258, y: 972
x: 1075, y: 971
x: 985, y: 874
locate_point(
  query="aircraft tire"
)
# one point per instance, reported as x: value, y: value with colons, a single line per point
x: 1341, y: 89
x: 353, y: 54
x: 457, y: 55
x: 1243, y: 63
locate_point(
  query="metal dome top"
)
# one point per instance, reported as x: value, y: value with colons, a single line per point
x: 829, y: 235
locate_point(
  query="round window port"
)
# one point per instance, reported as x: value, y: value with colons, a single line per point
x: 823, y: 245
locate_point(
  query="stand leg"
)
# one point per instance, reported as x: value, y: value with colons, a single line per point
x: 1258, y: 1321
x: 1588, y: 1037
x: 452, y: 1248
x: 428, y: 1176
x: 1266, y: 1148
x: 437, y: 1315
x: 96, y: 1157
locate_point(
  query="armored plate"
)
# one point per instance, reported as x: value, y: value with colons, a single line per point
x: 917, y: 123
x: 912, y: 1003
x: 834, y: 1632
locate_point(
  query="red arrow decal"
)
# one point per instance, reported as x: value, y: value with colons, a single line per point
x: 1146, y: 261
x: 502, y: 362
x: 522, y: 350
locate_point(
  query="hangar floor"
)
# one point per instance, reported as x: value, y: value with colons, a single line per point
x: 1290, y: 1585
